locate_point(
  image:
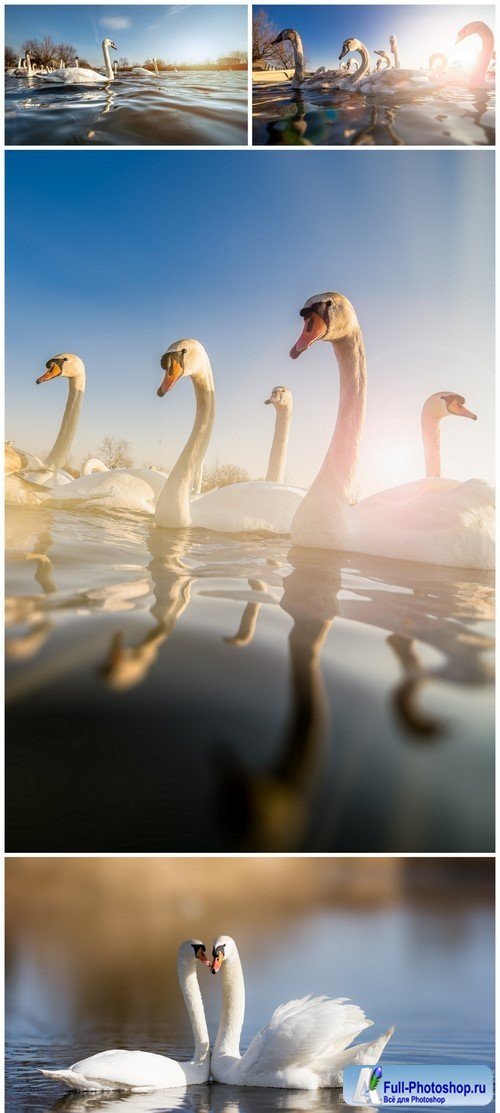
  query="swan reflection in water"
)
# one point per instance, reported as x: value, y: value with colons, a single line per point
x: 209, y: 1098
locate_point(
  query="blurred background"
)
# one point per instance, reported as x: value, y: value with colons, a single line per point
x: 91, y: 949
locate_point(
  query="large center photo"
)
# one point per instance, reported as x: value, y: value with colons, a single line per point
x: 249, y: 507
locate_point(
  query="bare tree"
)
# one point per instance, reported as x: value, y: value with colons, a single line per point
x: 123, y: 64
x: 10, y: 57
x: 264, y: 31
x: 222, y: 475
x: 115, y: 452
x: 66, y: 53
x: 234, y: 58
x: 43, y: 51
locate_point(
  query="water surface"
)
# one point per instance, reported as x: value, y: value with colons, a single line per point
x: 172, y: 690
x: 196, y: 108
x: 283, y: 116
x: 429, y: 970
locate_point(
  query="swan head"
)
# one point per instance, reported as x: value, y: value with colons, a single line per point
x: 444, y: 403
x: 109, y: 43
x: 65, y: 364
x: 190, y: 951
x: 223, y: 950
x: 328, y: 316
x: 183, y: 359
x: 280, y: 397
x: 288, y: 34
x: 348, y: 45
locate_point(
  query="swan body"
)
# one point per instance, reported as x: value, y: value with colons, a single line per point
x: 438, y: 63
x: 142, y: 1071
x: 239, y: 508
x: 384, y: 58
x: 435, y: 521
x: 387, y: 82
x: 305, y: 1045
x: 77, y: 75
x: 134, y: 489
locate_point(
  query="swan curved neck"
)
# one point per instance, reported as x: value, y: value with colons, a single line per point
x: 431, y: 435
x: 277, y: 457
x: 339, y: 466
x: 365, y: 62
x: 478, y: 74
x: 60, y: 450
x: 173, y: 508
x: 188, y: 981
x: 233, y: 1008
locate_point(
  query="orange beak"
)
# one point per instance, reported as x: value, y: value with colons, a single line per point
x: 52, y: 372
x: 462, y: 411
x: 173, y: 371
x: 202, y: 957
x: 216, y: 964
x: 314, y: 329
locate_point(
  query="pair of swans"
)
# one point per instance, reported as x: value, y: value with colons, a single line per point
x: 305, y: 1046
x: 77, y: 75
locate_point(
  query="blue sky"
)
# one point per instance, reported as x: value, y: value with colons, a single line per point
x: 421, y: 30
x: 175, y: 33
x: 115, y: 255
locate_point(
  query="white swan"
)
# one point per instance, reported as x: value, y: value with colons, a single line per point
x: 305, y: 1045
x: 383, y: 58
x: 14, y: 70
x: 153, y: 476
x: 143, y: 70
x: 142, y: 1071
x: 27, y: 70
x: 79, y: 75
x: 50, y: 472
x: 438, y: 63
x: 434, y: 521
x: 238, y: 508
x: 394, y: 50
x: 387, y: 82
x: 282, y: 400
x: 478, y: 78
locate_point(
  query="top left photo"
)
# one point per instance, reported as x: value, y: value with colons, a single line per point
x: 131, y: 75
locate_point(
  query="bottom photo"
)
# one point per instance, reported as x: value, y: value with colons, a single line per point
x: 241, y: 984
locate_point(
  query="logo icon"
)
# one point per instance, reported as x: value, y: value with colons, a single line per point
x: 366, y: 1087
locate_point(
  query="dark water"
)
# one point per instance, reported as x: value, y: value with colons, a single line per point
x: 428, y: 970
x: 184, y: 109
x: 283, y: 116
x: 171, y: 690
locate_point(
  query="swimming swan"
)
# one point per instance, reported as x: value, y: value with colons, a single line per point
x: 79, y: 75
x: 142, y: 1071
x: 239, y: 508
x: 435, y: 521
x: 299, y: 79
x: 50, y: 472
x: 305, y: 1045
x: 478, y: 78
x: 389, y: 81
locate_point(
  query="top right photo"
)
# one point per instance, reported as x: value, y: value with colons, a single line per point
x: 373, y: 75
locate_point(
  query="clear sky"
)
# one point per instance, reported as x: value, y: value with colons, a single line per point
x: 421, y: 30
x: 115, y: 255
x: 175, y: 32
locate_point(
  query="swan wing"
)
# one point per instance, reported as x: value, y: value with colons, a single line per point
x: 302, y: 1033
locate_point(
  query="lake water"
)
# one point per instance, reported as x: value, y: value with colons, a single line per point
x: 283, y: 116
x: 429, y: 970
x: 199, y: 108
x: 171, y: 690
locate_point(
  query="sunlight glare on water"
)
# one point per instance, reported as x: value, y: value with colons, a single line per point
x: 233, y: 693
x: 182, y: 109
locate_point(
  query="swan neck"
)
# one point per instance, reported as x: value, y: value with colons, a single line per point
x: 173, y: 508
x: 365, y: 62
x: 298, y: 58
x: 59, y: 453
x: 188, y: 981
x: 339, y: 465
x: 107, y: 62
x: 478, y: 74
x: 277, y: 457
x: 233, y: 1008
x: 431, y: 435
